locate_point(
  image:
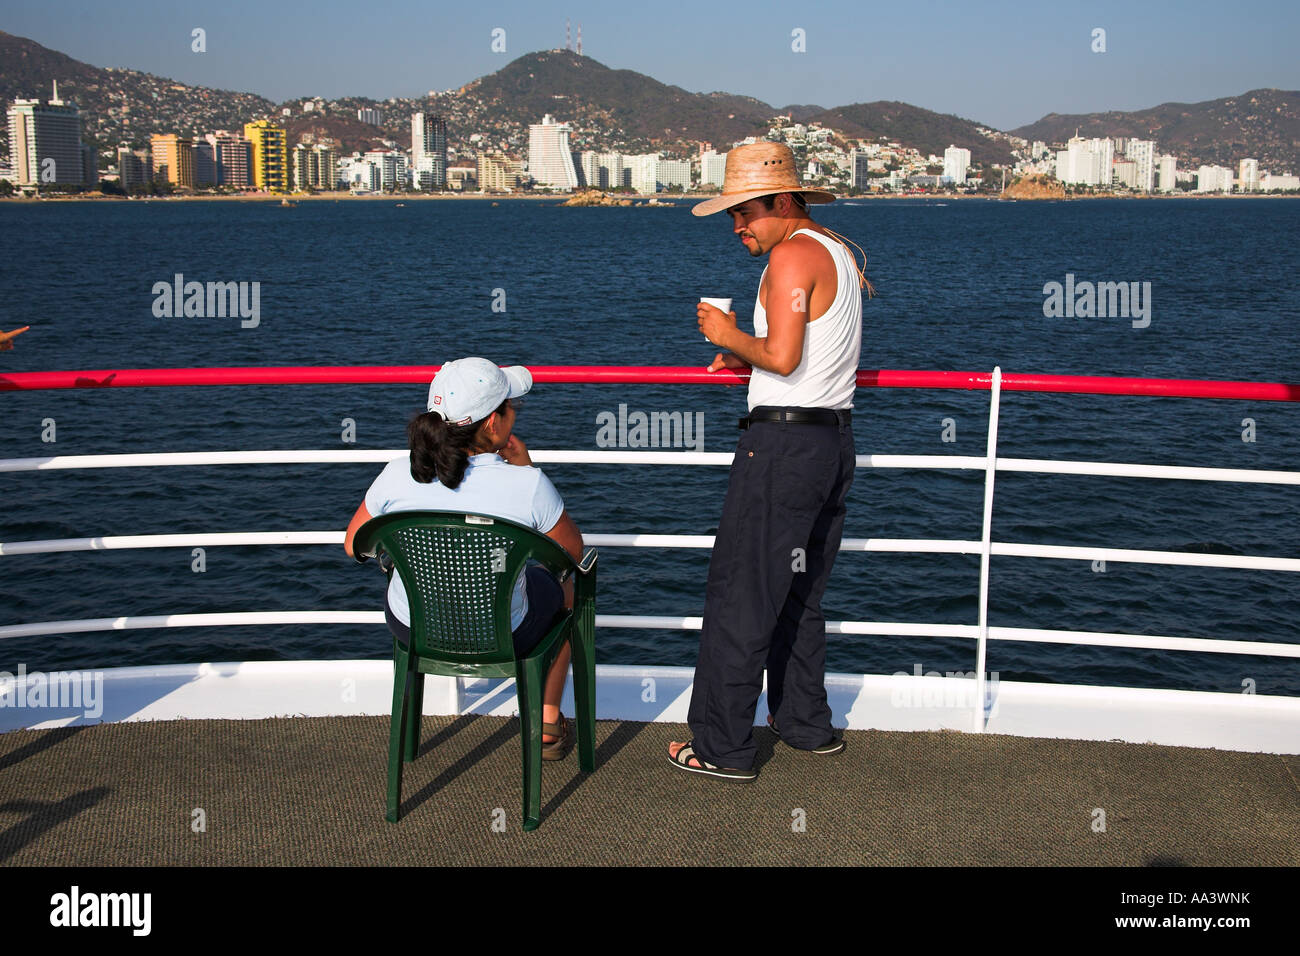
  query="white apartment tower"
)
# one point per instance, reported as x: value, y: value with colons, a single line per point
x: 1248, y: 175
x: 1085, y: 162
x: 713, y: 168
x: 45, y: 142
x: 1168, y: 173
x: 955, y: 163
x: 1143, y: 152
x: 549, y: 160
x: 1214, y: 179
x: 428, y: 151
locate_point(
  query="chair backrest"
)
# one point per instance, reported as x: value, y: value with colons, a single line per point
x: 459, y: 573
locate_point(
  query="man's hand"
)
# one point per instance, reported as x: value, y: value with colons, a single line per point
x: 727, y: 360
x: 715, y: 323
x: 7, y: 338
x: 515, y: 452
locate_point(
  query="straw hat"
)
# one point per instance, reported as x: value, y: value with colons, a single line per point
x: 759, y: 169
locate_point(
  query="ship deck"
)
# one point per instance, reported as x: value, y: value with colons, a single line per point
x: 310, y: 791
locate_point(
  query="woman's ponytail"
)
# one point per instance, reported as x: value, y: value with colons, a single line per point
x: 439, y: 451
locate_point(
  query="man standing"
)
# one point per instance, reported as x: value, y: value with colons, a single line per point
x: 784, y: 512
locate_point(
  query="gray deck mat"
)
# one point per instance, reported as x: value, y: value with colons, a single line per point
x: 310, y: 791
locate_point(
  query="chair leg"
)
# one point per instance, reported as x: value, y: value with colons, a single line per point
x: 529, y: 685
x: 584, y: 695
x: 414, y: 711
x: 396, y: 732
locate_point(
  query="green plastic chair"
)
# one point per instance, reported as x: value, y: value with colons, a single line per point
x: 459, y: 571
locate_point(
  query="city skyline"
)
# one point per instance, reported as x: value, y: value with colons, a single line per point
x: 949, y: 59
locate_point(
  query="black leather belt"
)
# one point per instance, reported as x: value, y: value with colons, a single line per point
x: 798, y: 416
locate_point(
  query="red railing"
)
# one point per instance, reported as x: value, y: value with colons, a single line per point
x: 643, y: 375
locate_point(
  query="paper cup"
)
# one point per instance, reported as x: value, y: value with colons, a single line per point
x: 723, y: 304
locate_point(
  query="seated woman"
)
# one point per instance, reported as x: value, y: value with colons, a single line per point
x: 465, y: 457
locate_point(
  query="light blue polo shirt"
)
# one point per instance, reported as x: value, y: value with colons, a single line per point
x: 491, y: 486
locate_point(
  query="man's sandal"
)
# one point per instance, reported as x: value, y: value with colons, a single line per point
x: 687, y: 754
x: 558, y: 748
x: 835, y: 746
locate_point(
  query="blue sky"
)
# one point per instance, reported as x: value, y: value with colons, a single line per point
x: 1001, y: 63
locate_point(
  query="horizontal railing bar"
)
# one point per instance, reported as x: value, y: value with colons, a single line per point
x: 646, y: 622
x: 128, y: 542
x: 1127, y: 556
x: 883, y: 545
x: 1127, y: 470
x: 644, y: 375
x: 258, y: 538
x: 384, y: 455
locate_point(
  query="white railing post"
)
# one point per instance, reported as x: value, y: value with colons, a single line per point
x: 986, y: 548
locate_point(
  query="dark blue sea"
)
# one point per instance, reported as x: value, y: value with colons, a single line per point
x: 371, y: 283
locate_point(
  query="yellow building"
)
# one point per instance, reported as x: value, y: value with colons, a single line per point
x: 173, y: 159
x: 497, y: 173
x: 270, y: 155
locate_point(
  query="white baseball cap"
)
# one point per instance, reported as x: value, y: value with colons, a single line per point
x: 470, y: 389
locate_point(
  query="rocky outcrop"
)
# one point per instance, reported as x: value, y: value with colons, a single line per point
x: 1034, y: 187
x: 594, y: 197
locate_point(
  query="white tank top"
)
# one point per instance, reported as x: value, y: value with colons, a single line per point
x: 832, y: 345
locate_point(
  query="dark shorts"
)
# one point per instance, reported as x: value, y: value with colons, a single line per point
x: 545, y: 602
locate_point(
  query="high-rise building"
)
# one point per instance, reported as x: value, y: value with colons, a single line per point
x: 1168, y: 173
x: 610, y: 168
x: 205, y: 166
x: 588, y: 170
x: 357, y: 172
x: 1272, y: 182
x: 496, y: 173
x: 322, y: 167
x: 1085, y: 162
x: 674, y: 174
x: 1126, y: 173
x: 173, y: 159
x: 393, y: 171
x: 644, y: 170
x: 270, y: 147
x: 1248, y: 175
x: 232, y: 157
x: 298, y: 165
x: 428, y: 151
x: 859, y: 169
x: 134, y: 167
x: 1143, y: 153
x: 955, y: 163
x: 368, y: 115
x: 713, y: 168
x: 45, y: 142
x: 550, y: 162
x: 1214, y: 179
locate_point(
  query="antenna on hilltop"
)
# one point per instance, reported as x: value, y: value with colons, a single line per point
x: 579, y: 39
x: 568, y: 45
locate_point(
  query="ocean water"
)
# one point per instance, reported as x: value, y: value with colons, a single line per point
x: 960, y: 287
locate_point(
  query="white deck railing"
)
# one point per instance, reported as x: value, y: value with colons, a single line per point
x: 985, y: 547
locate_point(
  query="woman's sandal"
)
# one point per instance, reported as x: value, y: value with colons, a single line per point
x: 687, y: 753
x: 558, y: 748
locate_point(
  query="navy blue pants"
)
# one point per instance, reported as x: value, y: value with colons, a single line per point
x: 776, y: 544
